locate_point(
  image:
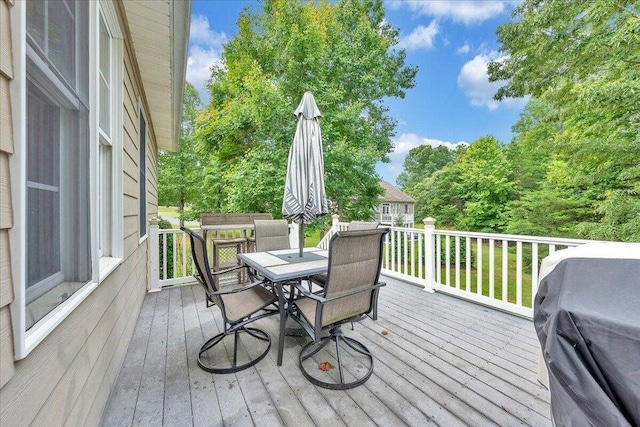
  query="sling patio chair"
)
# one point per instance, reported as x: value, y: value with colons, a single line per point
x: 321, y: 279
x: 240, y: 304
x: 271, y: 234
x: 350, y: 293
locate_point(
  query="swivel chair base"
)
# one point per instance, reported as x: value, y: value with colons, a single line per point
x: 257, y: 334
x: 354, y: 348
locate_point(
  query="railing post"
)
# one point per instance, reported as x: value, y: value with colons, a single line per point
x: 335, y: 218
x: 153, y: 255
x: 429, y: 256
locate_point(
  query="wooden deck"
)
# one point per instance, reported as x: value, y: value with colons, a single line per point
x: 443, y: 362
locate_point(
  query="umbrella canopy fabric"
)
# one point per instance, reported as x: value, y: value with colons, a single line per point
x: 304, y: 195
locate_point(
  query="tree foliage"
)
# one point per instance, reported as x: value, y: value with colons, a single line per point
x: 344, y: 53
x: 470, y: 193
x: 180, y: 173
x: 422, y: 162
x: 581, y: 60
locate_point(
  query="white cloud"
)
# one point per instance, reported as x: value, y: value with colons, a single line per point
x: 205, y: 51
x: 402, y: 145
x: 464, y: 49
x: 474, y: 82
x: 200, y: 33
x: 199, y: 66
x: 420, y: 38
x: 465, y: 11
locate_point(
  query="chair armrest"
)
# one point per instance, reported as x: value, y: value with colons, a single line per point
x: 228, y: 270
x: 232, y: 289
x: 323, y: 300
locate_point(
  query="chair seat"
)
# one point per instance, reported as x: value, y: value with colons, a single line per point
x: 242, y: 304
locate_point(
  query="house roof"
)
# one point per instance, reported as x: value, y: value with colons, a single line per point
x: 392, y: 194
x: 160, y: 36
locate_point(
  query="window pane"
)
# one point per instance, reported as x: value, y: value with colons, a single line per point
x: 62, y: 35
x: 105, y: 200
x: 58, y: 251
x: 43, y: 147
x: 105, y: 49
x: 35, y: 21
x: 43, y: 235
x: 105, y: 108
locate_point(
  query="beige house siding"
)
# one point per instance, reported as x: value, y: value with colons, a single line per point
x: 7, y: 368
x: 67, y: 378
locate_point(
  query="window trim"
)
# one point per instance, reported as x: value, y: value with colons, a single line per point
x: 142, y: 197
x: 106, y: 264
x: 26, y: 341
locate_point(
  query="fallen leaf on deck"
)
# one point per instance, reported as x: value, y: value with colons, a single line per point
x: 384, y: 332
x: 325, y: 366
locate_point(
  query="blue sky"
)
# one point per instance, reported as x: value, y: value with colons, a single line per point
x: 450, y: 42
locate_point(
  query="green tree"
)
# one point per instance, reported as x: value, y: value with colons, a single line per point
x: 484, y: 185
x: 436, y: 197
x: 180, y: 173
x: 423, y: 161
x: 344, y: 53
x: 582, y: 59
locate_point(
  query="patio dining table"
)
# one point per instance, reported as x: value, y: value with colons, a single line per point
x: 284, y: 266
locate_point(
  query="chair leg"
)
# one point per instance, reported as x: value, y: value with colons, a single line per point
x: 234, y: 367
x: 356, y: 349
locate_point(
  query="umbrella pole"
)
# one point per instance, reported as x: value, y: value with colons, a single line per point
x: 301, y: 237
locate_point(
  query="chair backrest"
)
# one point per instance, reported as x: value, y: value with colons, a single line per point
x: 212, y: 218
x: 355, y: 259
x: 201, y: 261
x: 362, y: 225
x: 271, y: 234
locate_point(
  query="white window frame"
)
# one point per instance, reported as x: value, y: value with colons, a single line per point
x: 142, y: 195
x: 109, y: 218
x: 25, y: 341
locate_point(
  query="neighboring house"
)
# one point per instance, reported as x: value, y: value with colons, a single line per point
x: 395, y: 207
x: 89, y: 91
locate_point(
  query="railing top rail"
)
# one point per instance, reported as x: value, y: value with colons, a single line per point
x: 517, y: 237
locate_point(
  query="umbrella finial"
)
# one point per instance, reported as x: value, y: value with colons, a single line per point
x: 307, y: 107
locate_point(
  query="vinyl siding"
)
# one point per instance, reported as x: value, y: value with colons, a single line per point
x: 67, y: 378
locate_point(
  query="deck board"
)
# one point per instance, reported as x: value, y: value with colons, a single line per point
x: 442, y: 361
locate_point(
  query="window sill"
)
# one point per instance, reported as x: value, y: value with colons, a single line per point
x: 107, y: 265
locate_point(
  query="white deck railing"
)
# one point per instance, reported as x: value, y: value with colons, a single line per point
x: 498, y: 270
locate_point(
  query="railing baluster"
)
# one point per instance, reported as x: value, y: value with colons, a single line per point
x: 387, y: 245
x: 164, y: 256
x: 438, y: 259
x: 534, y: 271
x: 174, y: 241
x: 420, y: 263
x: 505, y: 270
x: 457, y: 262
x: 468, y: 265
x: 393, y: 251
x: 479, y: 268
x: 447, y: 260
x: 492, y: 269
x: 183, y: 237
x: 413, y: 254
x: 519, y: 273
x: 405, y: 236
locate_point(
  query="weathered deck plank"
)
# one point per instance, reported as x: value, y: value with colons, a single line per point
x: 442, y: 361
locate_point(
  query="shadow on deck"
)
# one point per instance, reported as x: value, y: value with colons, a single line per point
x: 443, y: 361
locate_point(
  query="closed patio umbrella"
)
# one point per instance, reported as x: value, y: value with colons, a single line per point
x: 304, y: 195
